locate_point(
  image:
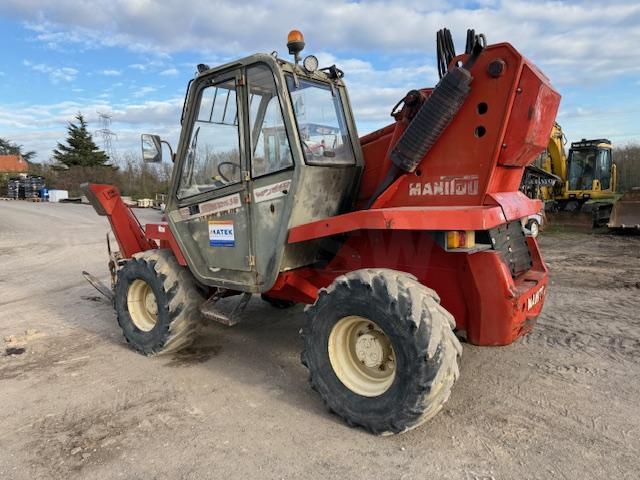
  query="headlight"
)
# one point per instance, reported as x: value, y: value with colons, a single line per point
x: 310, y: 63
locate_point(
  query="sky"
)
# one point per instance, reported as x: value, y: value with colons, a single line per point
x: 132, y: 59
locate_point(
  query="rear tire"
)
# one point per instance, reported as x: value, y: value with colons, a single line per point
x: 422, y: 349
x: 157, y: 301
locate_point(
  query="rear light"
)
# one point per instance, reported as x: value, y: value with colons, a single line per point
x: 461, y: 239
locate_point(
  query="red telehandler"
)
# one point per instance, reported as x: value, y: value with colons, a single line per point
x: 401, y: 242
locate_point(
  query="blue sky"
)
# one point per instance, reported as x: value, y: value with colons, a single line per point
x: 133, y: 58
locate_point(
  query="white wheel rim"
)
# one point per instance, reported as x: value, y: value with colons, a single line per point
x: 534, y: 229
x: 362, y: 356
x: 142, y: 305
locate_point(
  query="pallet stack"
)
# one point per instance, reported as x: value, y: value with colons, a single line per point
x: 32, y: 186
x: 13, y: 188
x: 27, y: 187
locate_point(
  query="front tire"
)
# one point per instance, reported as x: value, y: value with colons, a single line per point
x: 380, y: 350
x: 157, y: 302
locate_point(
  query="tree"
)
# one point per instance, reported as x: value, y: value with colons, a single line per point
x: 80, y: 150
x: 7, y: 147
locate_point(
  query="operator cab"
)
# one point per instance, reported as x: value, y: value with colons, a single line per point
x: 266, y: 145
x: 590, y: 166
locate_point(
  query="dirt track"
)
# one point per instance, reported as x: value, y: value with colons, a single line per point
x: 78, y: 403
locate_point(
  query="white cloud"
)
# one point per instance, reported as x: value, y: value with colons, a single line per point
x: 170, y: 72
x: 56, y: 74
x: 143, y: 91
x: 39, y: 127
x: 148, y: 65
x: 110, y: 72
x: 580, y: 41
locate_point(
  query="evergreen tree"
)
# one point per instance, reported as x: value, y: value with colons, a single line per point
x: 7, y: 147
x: 81, y: 149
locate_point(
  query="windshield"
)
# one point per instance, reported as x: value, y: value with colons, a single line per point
x: 321, y: 123
x: 582, y: 164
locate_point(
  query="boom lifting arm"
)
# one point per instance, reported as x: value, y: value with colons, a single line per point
x: 106, y: 201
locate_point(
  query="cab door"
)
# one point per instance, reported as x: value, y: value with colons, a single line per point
x: 211, y: 217
x: 272, y: 170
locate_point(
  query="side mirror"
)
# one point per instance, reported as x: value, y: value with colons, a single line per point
x: 151, y: 148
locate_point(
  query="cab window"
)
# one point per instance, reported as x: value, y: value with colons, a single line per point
x: 213, y: 156
x: 582, y: 164
x: 604, y: 167
x: 270, y: 147
x: 321, y: 123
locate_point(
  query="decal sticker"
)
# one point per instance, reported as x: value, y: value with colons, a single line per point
x: 219, y: 205
x: 184, y: 213
x: 534, y: 299
x: 271, y: 192
x: 216, y: 206
x: 447, y: 185
x: 221, y: 233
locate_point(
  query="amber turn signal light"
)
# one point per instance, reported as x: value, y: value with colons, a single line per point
x: 461, y: 239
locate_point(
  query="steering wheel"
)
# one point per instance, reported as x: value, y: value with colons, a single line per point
x: 234, y: 166
x: 308, y: 148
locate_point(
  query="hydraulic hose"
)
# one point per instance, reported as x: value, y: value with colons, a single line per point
x: 435, y: 115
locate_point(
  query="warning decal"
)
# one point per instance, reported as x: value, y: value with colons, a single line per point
x: 271, y: 192
x: 221, y: 233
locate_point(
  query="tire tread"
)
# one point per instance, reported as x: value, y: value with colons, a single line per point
x: 403, y: 291
x: 183, y: 301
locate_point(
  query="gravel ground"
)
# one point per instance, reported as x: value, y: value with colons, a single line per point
x: 78, y: 403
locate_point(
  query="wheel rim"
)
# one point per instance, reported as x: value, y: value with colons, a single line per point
x: 142, y: 305
x: 534, y: 229
x: 362, y: 356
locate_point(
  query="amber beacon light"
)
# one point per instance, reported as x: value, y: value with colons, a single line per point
x: 295, y: 43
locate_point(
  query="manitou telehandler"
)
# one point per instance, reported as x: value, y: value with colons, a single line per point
x: 400, y: 241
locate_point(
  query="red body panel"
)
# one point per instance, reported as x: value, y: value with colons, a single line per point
x: 463, y: 168
x: 508, y: 207
x: 501, y: 308
x: 477, y: 289
x: 162, y: 233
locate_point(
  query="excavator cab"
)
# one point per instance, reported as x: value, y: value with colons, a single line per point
x: 591, y: 171
x: 256, y: 134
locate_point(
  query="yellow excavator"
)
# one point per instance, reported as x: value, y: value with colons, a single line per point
x: 586, y: 180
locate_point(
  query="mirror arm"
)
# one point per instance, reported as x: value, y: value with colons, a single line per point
x: 173, y: 155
